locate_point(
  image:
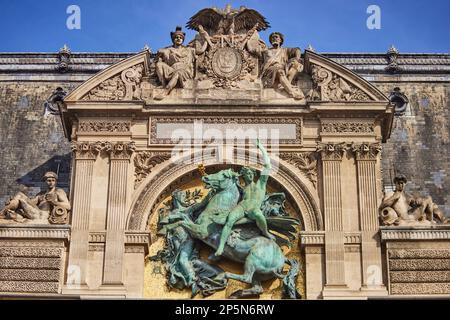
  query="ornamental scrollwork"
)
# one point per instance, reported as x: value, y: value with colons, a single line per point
x: 144, y: 163
x: 305, y: 162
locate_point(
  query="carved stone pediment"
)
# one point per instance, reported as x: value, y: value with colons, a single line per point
x: 227, y: 60
x: 123, y: 81
x: 335, y: 83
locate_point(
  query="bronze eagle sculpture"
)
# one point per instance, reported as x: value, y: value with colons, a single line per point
x: 228, y: 21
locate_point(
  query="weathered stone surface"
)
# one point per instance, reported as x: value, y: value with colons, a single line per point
x: 29, y: 286
x: 30, y: 263
x: 419, y: 145
x: 419, y: 276
x: 420, y: 288
x: 29, y: 275
x: 32, y: 143
x: 419, y: 253
x: 420, y: 264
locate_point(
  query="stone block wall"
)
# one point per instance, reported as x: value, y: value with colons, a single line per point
x: 419, y: 146
x: 417, y: 260
x: 32, y: 259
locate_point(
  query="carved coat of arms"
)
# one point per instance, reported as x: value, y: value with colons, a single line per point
x: 227, y: 32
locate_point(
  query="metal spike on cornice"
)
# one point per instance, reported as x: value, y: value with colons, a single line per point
x: 310, y: 48
x: 65, y: 50
x: 392, y: 50
x: 146, y: 47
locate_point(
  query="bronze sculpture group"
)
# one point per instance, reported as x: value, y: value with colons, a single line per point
x: 235, y: 220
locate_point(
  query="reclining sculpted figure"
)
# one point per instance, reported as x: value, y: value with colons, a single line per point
x: 38, y: 208
x: 401, y: 208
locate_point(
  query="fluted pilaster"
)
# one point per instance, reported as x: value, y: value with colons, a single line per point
x: 366, y: 155
x: 120, y: 155
x: 331, y: 155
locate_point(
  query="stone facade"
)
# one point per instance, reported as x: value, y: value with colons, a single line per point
x: 332, y: 114
x: 418, y: 146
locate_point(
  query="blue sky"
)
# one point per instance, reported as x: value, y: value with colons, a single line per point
x: 126, y: 26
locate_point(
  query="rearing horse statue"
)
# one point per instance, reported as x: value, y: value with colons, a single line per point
x: 262, y: 257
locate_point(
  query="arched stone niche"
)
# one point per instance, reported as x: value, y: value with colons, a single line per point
x: 301, y: 202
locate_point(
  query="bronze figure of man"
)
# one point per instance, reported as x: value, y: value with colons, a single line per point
x: 250, y: 205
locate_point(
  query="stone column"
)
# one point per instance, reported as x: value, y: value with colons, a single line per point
x: 85, y: 155
x: 120, y: 154
x: 331, y: 155
x: 366, y: 155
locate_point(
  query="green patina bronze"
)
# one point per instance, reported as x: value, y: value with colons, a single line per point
x: 235, y: 221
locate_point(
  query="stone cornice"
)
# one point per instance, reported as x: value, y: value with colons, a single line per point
x: 34, y: 232
x: 417, y: 233
x: 318, y: 237
x: 131, y: 237
x: 90, y: 63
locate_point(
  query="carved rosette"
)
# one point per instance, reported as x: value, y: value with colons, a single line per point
x: 366, y: 151
x: 122, y: 150
x: 305, y: 162
x: 332, y: 151
x: 328, y: 86
x: 144, y: 163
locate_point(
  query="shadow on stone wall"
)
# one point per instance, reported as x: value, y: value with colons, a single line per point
x: 32, y: 180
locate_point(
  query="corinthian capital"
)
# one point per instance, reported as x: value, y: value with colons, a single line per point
x: 84, y: 150
x: 366, y: 151
x: 332, y: 151
x: 122, y: 150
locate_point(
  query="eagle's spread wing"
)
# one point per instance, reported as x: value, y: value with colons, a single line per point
x: 247, y: 18
x: 209, y: 18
